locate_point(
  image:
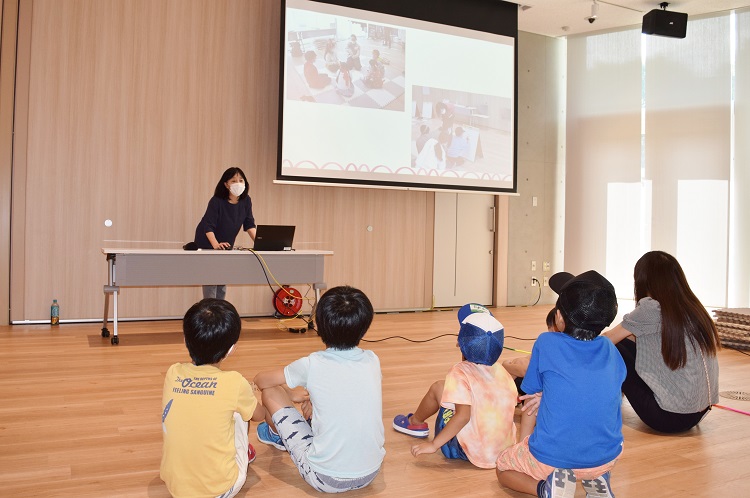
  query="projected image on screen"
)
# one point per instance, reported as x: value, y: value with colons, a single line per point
x: 461, y: 134
x: 342, y: 61
x: 379, y: 100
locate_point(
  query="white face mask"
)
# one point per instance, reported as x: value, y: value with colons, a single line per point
x: 237, y: 188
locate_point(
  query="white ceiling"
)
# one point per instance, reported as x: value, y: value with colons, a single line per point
x: 570, y: 17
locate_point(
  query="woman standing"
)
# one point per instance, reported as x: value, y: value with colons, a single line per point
x: 669, y: 344
x: 229, y: 209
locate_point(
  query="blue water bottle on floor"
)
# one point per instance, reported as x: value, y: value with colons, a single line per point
x: 54, y: 313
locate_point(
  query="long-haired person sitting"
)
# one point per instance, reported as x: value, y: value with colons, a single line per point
x: 669, y: 344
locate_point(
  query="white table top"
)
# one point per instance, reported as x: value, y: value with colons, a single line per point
x: 108, y: 250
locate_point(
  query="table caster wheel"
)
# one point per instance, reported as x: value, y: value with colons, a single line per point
x: 115, y: 341
x: 105, y: 332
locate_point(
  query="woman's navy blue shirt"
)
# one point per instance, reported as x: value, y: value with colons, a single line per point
x: 224, y: 219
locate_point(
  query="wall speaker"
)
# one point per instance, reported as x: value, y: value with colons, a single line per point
x: 665, y: 23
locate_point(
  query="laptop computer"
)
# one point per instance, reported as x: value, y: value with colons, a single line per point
x: 274, y: 238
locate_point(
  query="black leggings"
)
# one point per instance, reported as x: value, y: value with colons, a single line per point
x: 642, y: 399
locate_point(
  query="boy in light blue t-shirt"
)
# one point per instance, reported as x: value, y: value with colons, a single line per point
x: 337, y: 441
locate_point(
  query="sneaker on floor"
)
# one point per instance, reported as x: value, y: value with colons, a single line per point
x: 561, y: 483
x: 401, y: 424
x: 599, y: 487
x: 250, y: 453
x: 267, y: 436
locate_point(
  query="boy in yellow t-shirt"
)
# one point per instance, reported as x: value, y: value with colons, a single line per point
x: 476, y: 402
x: 205, y: 409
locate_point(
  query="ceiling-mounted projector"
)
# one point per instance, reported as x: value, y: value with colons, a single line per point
x: 665, y: 23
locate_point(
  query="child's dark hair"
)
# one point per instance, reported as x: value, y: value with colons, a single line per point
x: 343, y: 315
x: 551, y: 325
x: 211, y: 327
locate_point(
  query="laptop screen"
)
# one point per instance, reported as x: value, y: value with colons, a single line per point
x: 274, y: 238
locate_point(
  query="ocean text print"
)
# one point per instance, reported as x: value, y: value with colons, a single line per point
x: 196, y: 386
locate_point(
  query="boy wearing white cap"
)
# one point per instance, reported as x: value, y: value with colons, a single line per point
x: 578, y: 433
x: 476, y: 401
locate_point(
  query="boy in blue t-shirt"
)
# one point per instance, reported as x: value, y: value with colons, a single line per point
x: 337, y: 441
x: 578, y: 433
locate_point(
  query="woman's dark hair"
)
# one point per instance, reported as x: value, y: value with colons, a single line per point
x: 221, y: 191
x: 211, y: 327
x: 343, y: 315
x: 659, y: 276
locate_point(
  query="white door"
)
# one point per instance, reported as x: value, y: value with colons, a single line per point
x: 464, y: 243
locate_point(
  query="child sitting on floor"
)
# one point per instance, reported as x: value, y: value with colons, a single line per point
x: 313, y: 77
x: 337, y: 442
x: 344, y: 85
x: 205, y: 409
x: 578, y: 433
x: 476, y: 402
x: 517, y: 367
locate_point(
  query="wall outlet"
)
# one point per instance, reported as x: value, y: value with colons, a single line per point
x: 534, y: 282
x: 545, y: 282
x: 533, y: 266
x: 546, y: 265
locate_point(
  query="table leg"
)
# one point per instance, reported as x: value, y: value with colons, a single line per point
x: 115, y: 337
x: 107, y: 291
x: 316, y: 288
x: 105, y: 330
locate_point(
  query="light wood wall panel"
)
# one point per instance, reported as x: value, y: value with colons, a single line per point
x: 135, y: 107
x: 8, y: 35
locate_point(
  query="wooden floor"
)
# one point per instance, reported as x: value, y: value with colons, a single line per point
x: 80, y: 418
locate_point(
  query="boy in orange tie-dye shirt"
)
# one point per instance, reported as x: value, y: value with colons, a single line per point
x: 476, y: 402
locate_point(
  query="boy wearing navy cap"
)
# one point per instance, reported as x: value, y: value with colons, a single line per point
x: 476, y: 401
x: 578, y: 433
